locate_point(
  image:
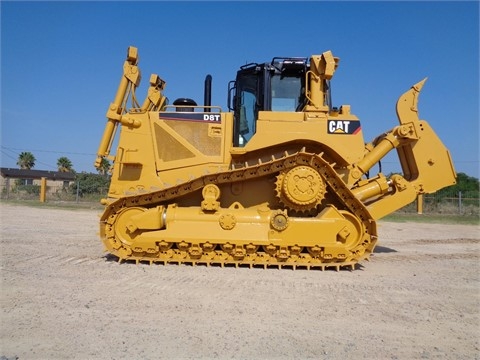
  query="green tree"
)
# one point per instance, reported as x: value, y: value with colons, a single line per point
x: 64, y: 164
x: 467, y: 183
x: 90, y: 184
x: 26, y: 160
x: 464, y: 184
x: 104, y: 167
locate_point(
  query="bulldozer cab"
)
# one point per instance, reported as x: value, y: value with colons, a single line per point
x: 275, y: 86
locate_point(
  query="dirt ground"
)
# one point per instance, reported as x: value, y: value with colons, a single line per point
x: 61, y: 298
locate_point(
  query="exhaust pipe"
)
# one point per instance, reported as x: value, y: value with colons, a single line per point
x: 207, y: 99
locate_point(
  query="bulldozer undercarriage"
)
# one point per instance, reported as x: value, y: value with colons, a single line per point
x: 148, y: 227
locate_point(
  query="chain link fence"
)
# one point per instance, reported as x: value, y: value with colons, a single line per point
x: 444, y: 202
x: 447, y: 203
x: 57, y: 193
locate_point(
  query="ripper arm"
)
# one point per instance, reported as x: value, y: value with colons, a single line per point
x: 117, y: 113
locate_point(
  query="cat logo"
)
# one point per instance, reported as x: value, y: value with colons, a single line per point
x: 343, y: 127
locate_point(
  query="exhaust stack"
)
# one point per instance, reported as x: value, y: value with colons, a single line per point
x: 207, y: 100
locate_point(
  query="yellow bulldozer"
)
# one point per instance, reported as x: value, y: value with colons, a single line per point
x: 281, y: 179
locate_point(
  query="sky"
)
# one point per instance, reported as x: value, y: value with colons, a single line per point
x: 61, y: 63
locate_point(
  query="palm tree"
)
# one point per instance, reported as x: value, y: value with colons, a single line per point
x: 26, y: 160
x: 104, y: 167
x: 64, y: 164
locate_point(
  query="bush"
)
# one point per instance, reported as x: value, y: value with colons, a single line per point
x: 29, y: 189
x: 87, y: 183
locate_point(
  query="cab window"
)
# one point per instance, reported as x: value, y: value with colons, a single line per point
x: 286, y: 93
x: 247, y: 116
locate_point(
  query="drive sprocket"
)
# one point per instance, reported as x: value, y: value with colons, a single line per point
x: 300, y: 188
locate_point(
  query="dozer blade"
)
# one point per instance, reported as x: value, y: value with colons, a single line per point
x: 426, y: 162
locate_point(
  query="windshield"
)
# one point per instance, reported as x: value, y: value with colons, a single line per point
x: 286, y: 93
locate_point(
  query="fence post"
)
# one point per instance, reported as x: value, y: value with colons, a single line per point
x: 420, y: 204
x: 460, y: 202
x: 78, y: 190
x: 43, y: 189
x: 8, y: 187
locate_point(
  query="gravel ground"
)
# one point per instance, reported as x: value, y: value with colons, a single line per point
x: 61, y: 298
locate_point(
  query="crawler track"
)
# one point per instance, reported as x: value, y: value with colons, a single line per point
x: 303, y: 254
